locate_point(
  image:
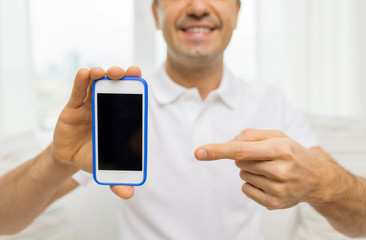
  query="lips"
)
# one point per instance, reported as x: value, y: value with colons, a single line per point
x: 198, y: 29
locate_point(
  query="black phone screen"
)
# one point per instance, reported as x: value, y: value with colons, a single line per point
x: 120, y: 131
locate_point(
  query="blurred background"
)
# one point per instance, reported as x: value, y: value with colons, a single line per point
x: 313, y: 50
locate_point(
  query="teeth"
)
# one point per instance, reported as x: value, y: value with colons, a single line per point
x: 198, y: 30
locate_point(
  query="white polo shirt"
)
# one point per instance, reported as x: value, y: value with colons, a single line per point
x: 188, y: 199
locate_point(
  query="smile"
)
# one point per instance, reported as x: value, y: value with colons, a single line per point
x: 198, y: 30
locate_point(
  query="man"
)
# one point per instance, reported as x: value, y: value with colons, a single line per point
x: 195, y: 101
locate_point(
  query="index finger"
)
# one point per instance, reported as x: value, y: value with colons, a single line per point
x: 95, y: 73
x: 82, y: 85
x: 239, y: 151
x: 133, y: 71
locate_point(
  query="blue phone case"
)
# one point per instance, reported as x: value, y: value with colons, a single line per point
x: 145, y: 131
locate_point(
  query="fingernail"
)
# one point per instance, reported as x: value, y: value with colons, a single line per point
x: 202, y: 154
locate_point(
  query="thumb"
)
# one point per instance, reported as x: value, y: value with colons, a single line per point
x: 124, y: 192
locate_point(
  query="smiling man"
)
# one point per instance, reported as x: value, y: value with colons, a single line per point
x: 196, y: 33
x: 195, y: 100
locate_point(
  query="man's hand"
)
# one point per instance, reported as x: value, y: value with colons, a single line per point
x: 278, y: 172
x: 72, y: 142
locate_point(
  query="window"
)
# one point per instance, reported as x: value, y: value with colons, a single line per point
x: 67, y: 35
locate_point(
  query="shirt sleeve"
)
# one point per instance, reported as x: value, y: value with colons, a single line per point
x: 82, y: 177
x: 297, y: 127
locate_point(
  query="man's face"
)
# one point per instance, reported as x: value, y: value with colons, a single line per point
x: 196, y: 29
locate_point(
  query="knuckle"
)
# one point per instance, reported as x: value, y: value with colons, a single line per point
x: 238, y: 164
x: 270, y: 208
x: 246, y: 135
x: 283, y: 148
x: 243, y: 175
x: 278, y: 133
x: 248, y: 131
x: 280, y: 172
x: 273, y: 204
x: 214, y: 151
x: 270, y: 203
x: 278, y: 191
x: 239, y: 152
x: 244, y: 189
x: 216, y: 154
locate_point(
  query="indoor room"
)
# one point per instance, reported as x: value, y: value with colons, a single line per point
x: 311, y: 52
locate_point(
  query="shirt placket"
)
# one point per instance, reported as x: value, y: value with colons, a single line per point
x: 201, y: 128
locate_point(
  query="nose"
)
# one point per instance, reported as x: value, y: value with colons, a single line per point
x: 198, y: 8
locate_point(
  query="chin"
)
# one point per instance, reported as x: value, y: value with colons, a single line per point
x: 199, y: 54
x: 196, y: 55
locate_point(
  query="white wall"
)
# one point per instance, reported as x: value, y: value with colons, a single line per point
x: 145, y: 43
x: 315, y: 51
x: 16, y: 91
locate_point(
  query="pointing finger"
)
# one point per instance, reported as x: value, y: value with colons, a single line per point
x: 252, y: 135
x: 239, y: 151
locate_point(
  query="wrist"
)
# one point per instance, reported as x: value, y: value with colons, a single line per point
x: 62, y: 165
x: 334, y: 184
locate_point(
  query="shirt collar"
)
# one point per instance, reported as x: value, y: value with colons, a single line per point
x: 228, y: 89
x: 167, y: 91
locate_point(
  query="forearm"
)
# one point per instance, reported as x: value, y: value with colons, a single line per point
x: 28, y: 189
x: 345, y: 207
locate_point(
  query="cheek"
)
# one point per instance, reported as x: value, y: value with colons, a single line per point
x: 167, y: 32
x: 167, y: 23
x: 228, y: 13
x: 230, y: 23
x: 166, y: 29
x: 231, y: 18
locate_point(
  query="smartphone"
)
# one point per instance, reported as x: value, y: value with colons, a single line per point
x: 120, y: 131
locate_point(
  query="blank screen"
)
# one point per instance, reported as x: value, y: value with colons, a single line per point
x: 119, y: 131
